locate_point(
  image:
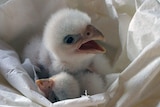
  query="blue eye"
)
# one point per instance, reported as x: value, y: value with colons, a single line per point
x: 70, y: 39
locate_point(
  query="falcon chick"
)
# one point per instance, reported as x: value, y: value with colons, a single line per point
x: 59, y: 87
x: 69, y: 43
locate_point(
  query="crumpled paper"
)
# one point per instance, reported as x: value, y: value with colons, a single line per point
x: 131, y: 28
x: 144, y: 28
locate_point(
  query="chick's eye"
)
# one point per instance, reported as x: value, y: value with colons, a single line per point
x: 69, y: 39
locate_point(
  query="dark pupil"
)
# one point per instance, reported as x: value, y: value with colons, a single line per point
x: 70, y: 40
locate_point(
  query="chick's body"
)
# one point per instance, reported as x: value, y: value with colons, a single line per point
x: 63, y: 85
x: 69, y: 44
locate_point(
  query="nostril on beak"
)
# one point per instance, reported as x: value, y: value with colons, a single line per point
x: 88, y: 33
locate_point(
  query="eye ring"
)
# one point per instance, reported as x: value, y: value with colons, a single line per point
x: 69, y: 39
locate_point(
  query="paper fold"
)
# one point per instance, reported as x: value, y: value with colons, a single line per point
x: 131, y: 28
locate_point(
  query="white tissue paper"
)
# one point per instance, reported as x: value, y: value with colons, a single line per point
x: 131, y: 29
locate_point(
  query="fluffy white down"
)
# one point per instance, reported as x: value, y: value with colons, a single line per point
x: 91, y: 82
x: 66, y: 86
x: 32, y: 49
x: 101, y: 64
x: 52, y: 52
x: 62, y: 23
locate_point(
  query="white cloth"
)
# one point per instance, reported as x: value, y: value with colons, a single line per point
x: 132, y: 31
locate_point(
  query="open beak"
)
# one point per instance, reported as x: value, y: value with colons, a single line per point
x: 88, y: 44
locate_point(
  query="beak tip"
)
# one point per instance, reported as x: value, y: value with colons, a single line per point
x: 104, y: 51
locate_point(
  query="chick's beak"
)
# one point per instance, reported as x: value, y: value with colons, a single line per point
x: 45, y: 85
x: 88, y: 43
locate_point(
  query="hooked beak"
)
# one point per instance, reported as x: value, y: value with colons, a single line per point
x: 88, y: 43
x: 45, y: 85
